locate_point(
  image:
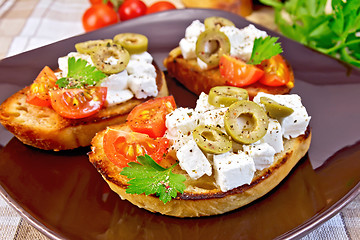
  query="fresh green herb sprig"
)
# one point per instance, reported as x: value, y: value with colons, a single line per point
x: 264, y: 48
x: 335, y: 32
x: 148, y: 177
x: 80, y: 74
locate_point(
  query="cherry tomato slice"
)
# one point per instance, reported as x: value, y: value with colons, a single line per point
x: 149, y: 117
x: 98, y: 16
x: 160, y: 6
x: 237, y: 73
x: 122, y: 147
x: 78, y: 103
x: 132, y: 9
x: 39, y: 89
x: 277, y: 72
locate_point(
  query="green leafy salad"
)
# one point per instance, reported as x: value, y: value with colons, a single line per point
x: 329, y: 26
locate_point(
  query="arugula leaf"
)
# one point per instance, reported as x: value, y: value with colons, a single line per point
x: 150, y: 178
x: 80, y: 74
x: 264, y: 48
x: 310, y: 23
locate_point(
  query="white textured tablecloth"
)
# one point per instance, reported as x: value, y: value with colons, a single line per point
x: 29, y: 24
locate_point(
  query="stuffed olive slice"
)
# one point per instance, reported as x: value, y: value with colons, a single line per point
x: 110, y: 59
x: 275, y: 109
x: 224, y: 96
x: 134, y: 43
x: 90, y: 46
x: 211, y: 45
x: 246, y: 122
x: 217, y: 22
x: 211, y: 139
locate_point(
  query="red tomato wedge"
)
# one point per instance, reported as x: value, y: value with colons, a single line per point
x: 149, y: 117
x: 78, y: 103
x: 122, y: 147
x: 277, y: 72
x: 39, y: 89
x: 238, y: 73
x: 160, y: 6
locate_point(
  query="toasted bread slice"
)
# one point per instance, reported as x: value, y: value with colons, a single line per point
x: 43, y: 128
x: 202, y: 197
x: 197, y: 80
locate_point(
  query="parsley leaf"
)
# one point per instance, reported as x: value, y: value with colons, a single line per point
x: 150, y: 178
x: 80, y: 74
x: 333, y: 30
x: 264, y: 48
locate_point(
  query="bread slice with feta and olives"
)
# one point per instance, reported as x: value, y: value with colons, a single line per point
x: 64, y: 110
x: 205, y: 175
x: 217, y: 53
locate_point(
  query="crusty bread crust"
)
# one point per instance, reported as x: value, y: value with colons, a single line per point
x: 202, y: 197
x: 43, y: 128
x: 197, y: 80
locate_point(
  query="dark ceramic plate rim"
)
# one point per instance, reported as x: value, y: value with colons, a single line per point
x: 297, y: 232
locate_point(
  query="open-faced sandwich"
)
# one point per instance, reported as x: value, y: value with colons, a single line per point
x: 95, y: 87
x: 224, y: 154
x: 217, y: 53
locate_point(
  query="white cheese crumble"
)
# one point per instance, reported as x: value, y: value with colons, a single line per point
x: 193, y: 160
x: 296, y: 123
x: 241, y: 41
x: 117, y: 88
x: 202, y: 103
x: 273, y: 136
x: 233, y: 170
x: 262, y: 154
x: 214, y: 118
x: 180, y: 123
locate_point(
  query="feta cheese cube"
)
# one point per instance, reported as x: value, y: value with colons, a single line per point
x: 181, y: 120
x: 242, y: 40
x: 296, y: 123
x: 194, y: 29
x: 141, y: 68
x: 214, y: 118
x: 188, y: 47
x: 144, y: 56
x: 233, y: 170
x: 193, y: 161
x: 202, y: 104
x: 273, y: 136
x: 117, y: 91
x: 114, y: 97
x: 262, y: 154
x: 143, y: 86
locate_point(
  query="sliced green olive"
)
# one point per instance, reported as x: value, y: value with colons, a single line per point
x: 89, y: 47
x: 275, y: 109
x: 134, y: 43
x: 246, y: 122
x: 110, y: 59
x: 224, y: 96
x: 217, y: 22
x: 211, y: 140
x: 211, y: 45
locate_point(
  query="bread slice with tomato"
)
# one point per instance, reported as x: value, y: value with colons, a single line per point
x: 216, y: 53
x: 179, y: 193
x: 54, y: 113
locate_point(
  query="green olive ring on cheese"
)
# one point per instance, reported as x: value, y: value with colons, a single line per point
x: 256, y: 124
x: 211, y: 139
x: 224, y: 96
